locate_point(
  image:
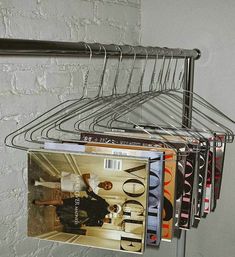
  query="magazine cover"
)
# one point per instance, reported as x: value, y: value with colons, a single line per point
x: 210, y: 199
x: 170, y: 165
x: 196, y: 144
x: 202, y: 168
x: 179, y: 188
x: 142, y: 134
x: 178, y: 143
x: 156, y: 175
x: 88, y: 199
x: 181, y: 146
x: 218, y: 143
x: 208, y: 191
x: 186, y: 205
x: 194, y: 201
x: 139, y: 139
x: 181, y: 143
x: 219, y: 163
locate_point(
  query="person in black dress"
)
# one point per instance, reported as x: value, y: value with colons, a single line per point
x: 77, y: 212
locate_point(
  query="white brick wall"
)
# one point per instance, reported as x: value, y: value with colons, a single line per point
x: 29, y: 86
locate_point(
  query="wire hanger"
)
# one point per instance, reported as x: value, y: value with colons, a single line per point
x: 49, y: 116
x: 128, y: 104
x: 137, y: 103
x: 103, y: 112
x: 205, y: 128
x: 106, y: 104
x: 103, y: 102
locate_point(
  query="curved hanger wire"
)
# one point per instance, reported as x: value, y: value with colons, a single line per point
x: 114, y: 90
x: 152, y: 81
x: 85, y: 83
x: 101, y: 84
x: 140, y: 88
x: 108, y: 112
x: 167, y: 73
x: 50, y: 115
x: 127, y: 109
x: 132, y: 70
x: 92, y: 114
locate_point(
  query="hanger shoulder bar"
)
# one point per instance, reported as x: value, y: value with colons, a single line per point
x: 26, y: 47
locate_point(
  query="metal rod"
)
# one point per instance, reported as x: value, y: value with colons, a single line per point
x: 181, y: 244
x: 188, y: 96
x: 186, y: 122
x: 25, y: 47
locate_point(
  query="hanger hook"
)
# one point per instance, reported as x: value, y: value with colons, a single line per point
x: 181, y: 75
x: 100, y: 90
x: 114, y: 90
x: 167, y: 74
x: 132, y: 69
x: 169, y: 71
x: 140, y: 89
x: 160, y: 74
x: 173, y: 86
x: 84, y: 89
x: 153, y: 72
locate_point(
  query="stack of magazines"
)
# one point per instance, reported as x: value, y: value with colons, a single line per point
x: 123, y: 190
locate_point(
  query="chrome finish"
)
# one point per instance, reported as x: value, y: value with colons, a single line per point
x: 25, y: 47
x: 187, y: 89
x: 186, y: 123
x: 199, y: 54
x: 181, y: 244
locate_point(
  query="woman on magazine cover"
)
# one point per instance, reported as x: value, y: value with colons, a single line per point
x: 77, y: 212
x: 71, y: 182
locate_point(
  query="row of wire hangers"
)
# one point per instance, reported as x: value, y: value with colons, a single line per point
x: 152, y: 107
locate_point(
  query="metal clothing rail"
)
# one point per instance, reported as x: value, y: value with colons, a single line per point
x: 25, y: 47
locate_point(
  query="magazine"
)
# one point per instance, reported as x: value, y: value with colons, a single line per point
x: 135, y: 139
x: 210, y: 199
x: 202, y: 176
x: 196, y: 141
x: 140, y: 139
x: 179, y: 187
x: 88, y: 199
x: 178, y: 143
x: 208, y: 191
x: 156, y: 167
x: 170, y: 170
x: 169, y: 178
x: 219, y: 162
x: 188, y: 189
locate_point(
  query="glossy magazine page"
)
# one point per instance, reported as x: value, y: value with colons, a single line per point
x: 156, y: 180
x: 170, y: 163
x: 88, y: 199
